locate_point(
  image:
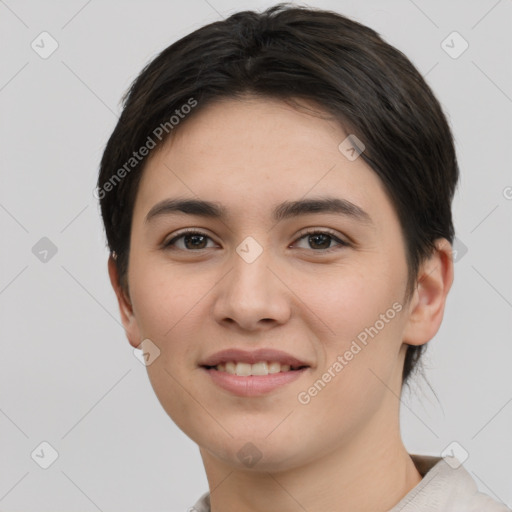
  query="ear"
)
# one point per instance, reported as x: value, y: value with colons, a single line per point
x: 125, y: 307
x: 426, y: 308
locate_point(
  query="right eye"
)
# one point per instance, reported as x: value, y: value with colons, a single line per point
x: 189, y: 240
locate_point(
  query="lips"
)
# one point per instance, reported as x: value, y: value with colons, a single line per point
x: 252, y: 357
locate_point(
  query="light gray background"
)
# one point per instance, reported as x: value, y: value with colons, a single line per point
x: 69, y: 377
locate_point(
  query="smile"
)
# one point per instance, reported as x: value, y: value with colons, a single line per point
x: 259, y: 368
x: 249, y: 384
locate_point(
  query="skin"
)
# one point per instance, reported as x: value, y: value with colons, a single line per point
x: 342, y: 451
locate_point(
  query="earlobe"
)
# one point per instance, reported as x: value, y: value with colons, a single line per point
x: 125, y: 307
x: 435, y: 279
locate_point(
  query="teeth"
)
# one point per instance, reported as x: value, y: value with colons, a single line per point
x: 246, y: 369
x: 274, y: 367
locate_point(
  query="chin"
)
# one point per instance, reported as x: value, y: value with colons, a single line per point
x: 253, y: 453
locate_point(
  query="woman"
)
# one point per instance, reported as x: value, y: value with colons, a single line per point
x: 277, y: 202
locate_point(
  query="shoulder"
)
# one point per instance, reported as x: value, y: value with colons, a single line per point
x: 202, y: 504
x: 447, y: 486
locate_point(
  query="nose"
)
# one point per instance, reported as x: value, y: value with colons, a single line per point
x: 253, y: 295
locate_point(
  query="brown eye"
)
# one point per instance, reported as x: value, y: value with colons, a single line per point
x: 188, y: 241
x: 194, y: 241
x: 321, y: 241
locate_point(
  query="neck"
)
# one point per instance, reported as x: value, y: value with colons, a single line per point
x: 371, y: 472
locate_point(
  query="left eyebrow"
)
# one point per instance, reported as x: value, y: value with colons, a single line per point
x: 281, y: 212
x: 321, y: 205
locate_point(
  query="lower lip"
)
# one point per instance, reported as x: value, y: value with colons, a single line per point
x: 253, y: 385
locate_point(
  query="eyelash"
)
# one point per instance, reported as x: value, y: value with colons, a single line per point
x: 303, y: 234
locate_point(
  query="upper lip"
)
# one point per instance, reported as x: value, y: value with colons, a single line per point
x: 253, y: 356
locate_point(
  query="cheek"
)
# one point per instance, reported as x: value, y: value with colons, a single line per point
x: 164, y: 298
x: 362, y: 309
x: 349, y: 387
x: 348, y: 300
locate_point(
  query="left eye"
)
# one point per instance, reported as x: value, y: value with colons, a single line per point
x: 196, y: 240
x: 321, y: 240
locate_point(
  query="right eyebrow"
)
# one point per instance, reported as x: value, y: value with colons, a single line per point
x: 191, y: 206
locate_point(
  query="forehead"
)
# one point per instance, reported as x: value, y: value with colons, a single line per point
x: 255, y: 152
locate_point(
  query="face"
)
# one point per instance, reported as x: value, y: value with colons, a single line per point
x: 324, y: 285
